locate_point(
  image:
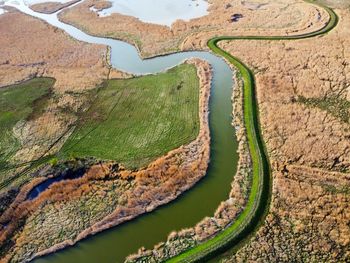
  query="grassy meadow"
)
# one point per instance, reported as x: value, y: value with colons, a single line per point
x: 133, y: 121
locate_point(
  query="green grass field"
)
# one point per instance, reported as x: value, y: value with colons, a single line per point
x: 19, y: 102
x: 136, y: 120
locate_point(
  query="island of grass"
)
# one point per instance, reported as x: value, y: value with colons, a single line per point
x: 20, y: 102
x: 133, y: 121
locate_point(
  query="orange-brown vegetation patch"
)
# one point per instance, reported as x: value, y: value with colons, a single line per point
x: 275, y: 18
x: 31, y: 47
x: 111, y: 194
x: 308, y: 221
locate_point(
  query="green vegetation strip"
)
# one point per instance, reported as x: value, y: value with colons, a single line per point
x: 259, y: 196
x: 133, y: 121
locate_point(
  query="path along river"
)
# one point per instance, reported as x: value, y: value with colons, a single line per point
x: 115, y: 244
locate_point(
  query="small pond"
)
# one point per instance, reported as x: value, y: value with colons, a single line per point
x: 66, y: 175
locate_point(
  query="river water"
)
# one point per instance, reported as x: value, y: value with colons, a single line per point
x: 202, y: 200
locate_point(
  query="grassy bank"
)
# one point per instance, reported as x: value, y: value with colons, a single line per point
x: 257, y: 206
x: 136, y: 120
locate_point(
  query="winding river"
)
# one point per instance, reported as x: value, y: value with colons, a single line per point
x: 115, y: 244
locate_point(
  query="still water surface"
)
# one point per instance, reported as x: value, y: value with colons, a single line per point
x: 163, y: 12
